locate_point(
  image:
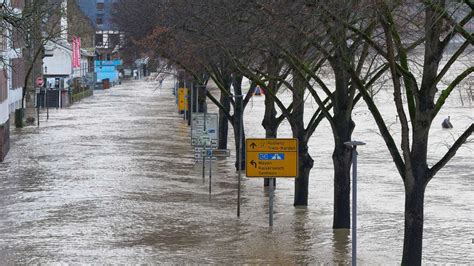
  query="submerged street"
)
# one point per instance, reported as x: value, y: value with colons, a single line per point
x: 113, y: 179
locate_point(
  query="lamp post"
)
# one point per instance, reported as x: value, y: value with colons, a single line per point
x: 239, y: 167
x: 353, y: 145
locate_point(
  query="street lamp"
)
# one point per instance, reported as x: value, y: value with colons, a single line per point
x: 353, y: 146
x: 239, y: 167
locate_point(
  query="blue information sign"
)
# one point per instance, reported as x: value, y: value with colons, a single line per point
x: 271, y: 156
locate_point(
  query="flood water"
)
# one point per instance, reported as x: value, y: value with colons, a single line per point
x: 112, y: 179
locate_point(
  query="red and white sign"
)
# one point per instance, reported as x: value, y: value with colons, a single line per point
x: 76, y: 52
x: 39, y: 81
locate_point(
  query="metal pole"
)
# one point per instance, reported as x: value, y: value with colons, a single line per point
x: 204, y: 163
x: 240, y: 157
x: 210, y: 173
x: 38, y: 108
x: 204, y: 157
x: 197, y: 99
x: 46, y: 102
x: 185, y: 102
x: 270, y: 204
x: 353, y: 145
x: 205, y: 111
x: 354, y: 206
x: 192, y: 100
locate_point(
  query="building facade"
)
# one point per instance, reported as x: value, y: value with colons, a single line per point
x: 12, y: 75
x: 107, y: 37
x: 107, y: 40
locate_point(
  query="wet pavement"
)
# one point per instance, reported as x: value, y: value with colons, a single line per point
x: 112, y: 179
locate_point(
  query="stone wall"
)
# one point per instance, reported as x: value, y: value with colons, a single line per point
x: 4, y: 139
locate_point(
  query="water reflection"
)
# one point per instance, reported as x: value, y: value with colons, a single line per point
x: 341, y: 245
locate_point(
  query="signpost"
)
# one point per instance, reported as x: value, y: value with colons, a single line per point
x: 270, y: 158
x: 210, y: 153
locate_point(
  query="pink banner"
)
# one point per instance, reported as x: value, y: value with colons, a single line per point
x: 76, y: 52
x: 73, y: 61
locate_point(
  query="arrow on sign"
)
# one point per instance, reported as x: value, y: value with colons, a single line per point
x: 253, y: 145
x: 253, y: 163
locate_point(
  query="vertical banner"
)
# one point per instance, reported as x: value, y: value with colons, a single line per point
x: 73, y: 60
x: 78, y: 41
x: 76, y: 52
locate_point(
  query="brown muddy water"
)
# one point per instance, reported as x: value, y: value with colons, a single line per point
x: 113, y: 179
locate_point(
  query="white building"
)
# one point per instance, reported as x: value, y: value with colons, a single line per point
x: 11, y: 77
x: 57, y: 64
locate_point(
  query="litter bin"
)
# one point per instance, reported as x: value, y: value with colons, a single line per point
x: 106, y: 83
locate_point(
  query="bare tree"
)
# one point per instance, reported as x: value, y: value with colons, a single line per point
x: 442, y: 24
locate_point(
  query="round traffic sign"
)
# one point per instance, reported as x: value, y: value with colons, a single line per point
x: 39, y: 81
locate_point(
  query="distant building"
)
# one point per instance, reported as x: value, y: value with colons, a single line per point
x: 107, y: 39
x: 58, y: 70
x: 57, y: 65
x: 12, y: 76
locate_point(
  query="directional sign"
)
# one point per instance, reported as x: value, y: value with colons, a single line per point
x: 182, y: 99
x: 204, y: 132
x: 271, y: 157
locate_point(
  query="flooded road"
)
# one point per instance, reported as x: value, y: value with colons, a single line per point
x: 112, y: 179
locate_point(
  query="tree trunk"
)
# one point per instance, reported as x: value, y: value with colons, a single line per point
x: 236, y: 126
x: 413, y: 238
x: 270, y: 123
x: 223, y: 121
x: 342, y: 159
x: 238, y: 118
x: 189, y: 103
x: 342, y: 128
x: 201, y: 94
x: 305, y: 165
x: 305, y: 162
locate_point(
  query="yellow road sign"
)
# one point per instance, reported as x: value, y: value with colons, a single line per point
x: 182, y: 99
x: 271, y: 157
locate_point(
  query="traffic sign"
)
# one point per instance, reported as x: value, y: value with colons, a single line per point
x: 39, y: 81
x: 271, y: 157
x: 204, y: 130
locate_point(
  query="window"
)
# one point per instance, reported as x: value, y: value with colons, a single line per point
x: 100, y: 6
x: 3, y: 40
x: 3, y: 85
x: 99, y: 21
x: 99, y: 39
x: 18, y: 72
x: 114, y: 40
x: 17, y: 39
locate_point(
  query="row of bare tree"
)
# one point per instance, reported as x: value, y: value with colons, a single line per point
x: 336, y: 51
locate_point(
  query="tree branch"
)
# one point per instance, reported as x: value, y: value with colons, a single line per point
x: 451, y: 152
